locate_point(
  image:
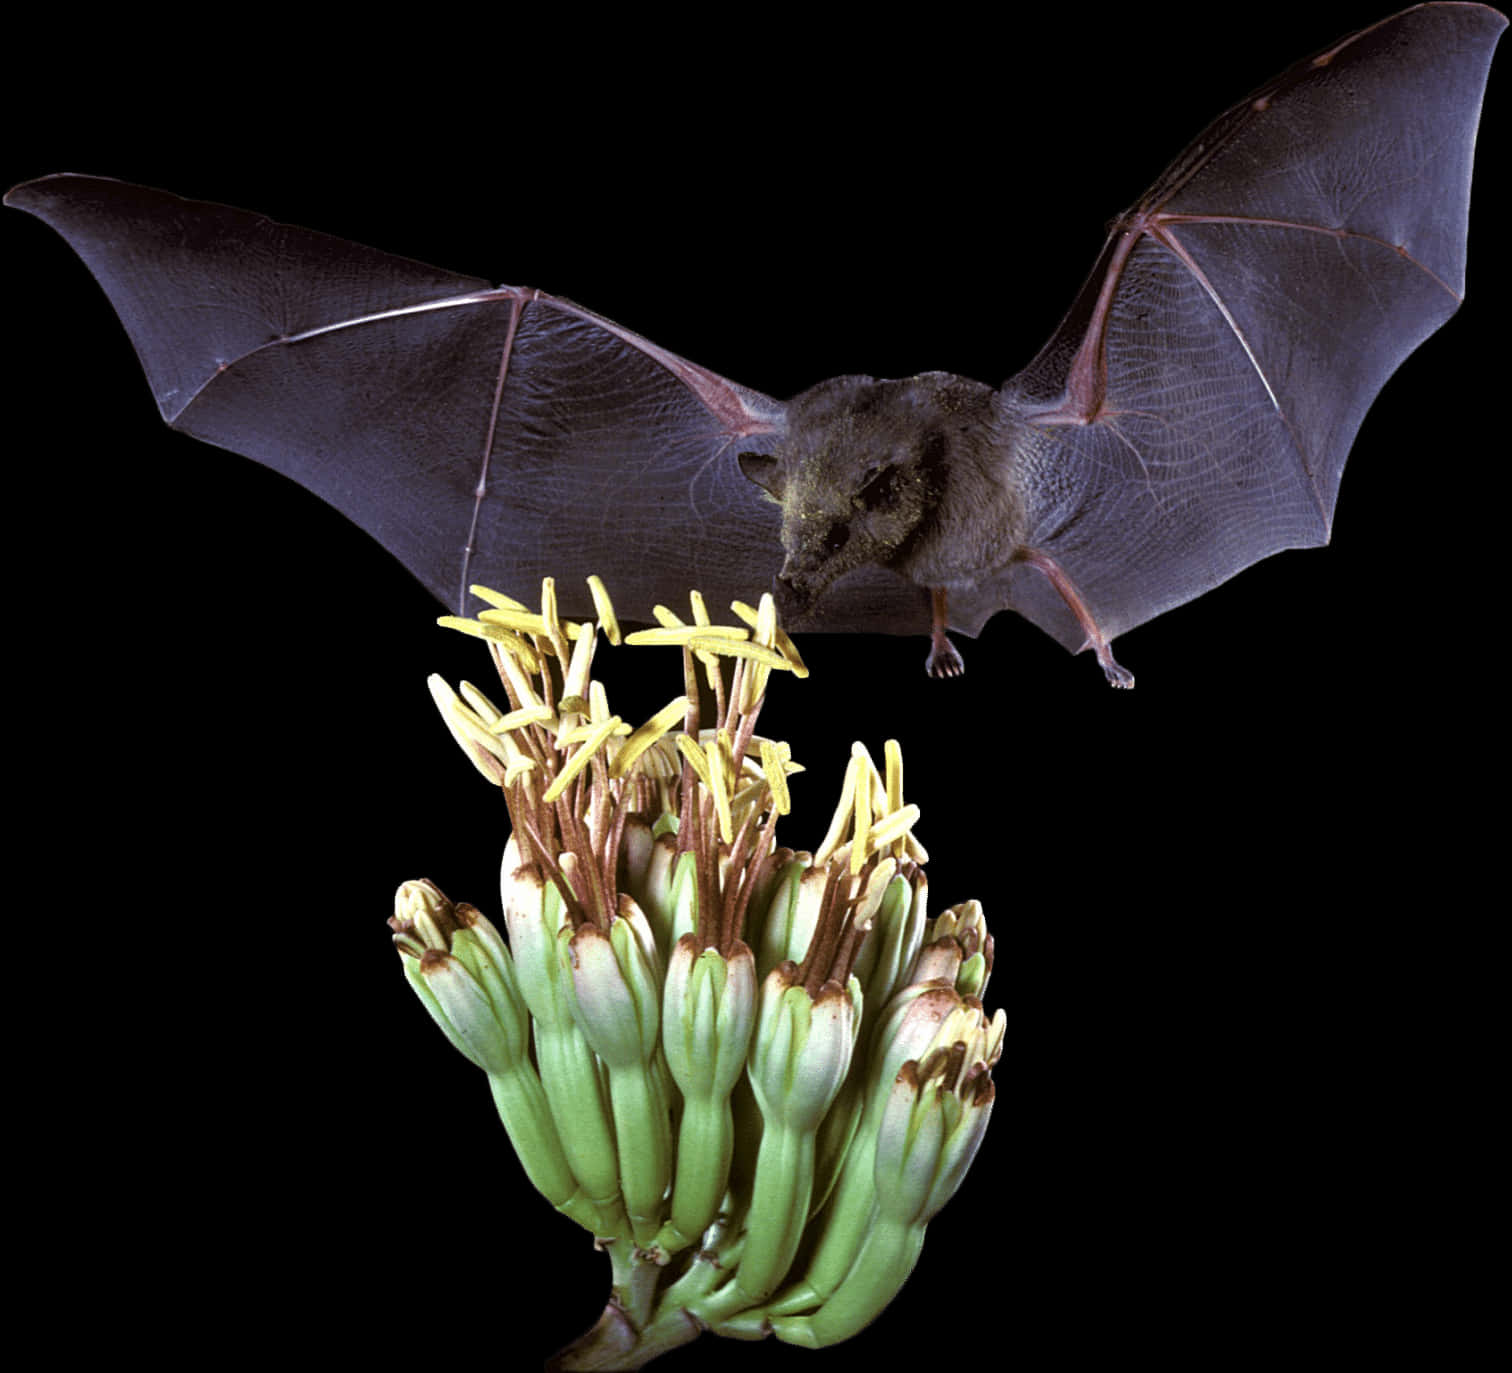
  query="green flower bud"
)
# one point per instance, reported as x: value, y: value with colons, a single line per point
x: 792, y: 915
x: 534, y: 916
x: 463, y: 976
x: 802, y: 1047
x: 459, y: 966
x: 616, y: 985
x: 708, y: 1013
x: 932, y: 1125
x: 615, y: 978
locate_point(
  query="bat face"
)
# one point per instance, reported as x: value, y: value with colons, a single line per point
x: 881, y: 472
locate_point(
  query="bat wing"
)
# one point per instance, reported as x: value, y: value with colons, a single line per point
x: 481, y: 434
x: 1193, y: 412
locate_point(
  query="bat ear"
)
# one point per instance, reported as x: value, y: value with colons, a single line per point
x: 765, y: 471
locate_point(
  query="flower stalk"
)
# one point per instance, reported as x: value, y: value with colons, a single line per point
x: 754, y: 1074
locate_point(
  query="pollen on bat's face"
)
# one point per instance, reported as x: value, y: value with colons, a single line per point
x: 862, y: 469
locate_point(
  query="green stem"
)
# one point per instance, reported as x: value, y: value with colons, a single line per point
x: 570, y: 1078
x: 527, y: 1121
x: 886, y: 1259
x: 643, y: 1133
x: 705, y: 1140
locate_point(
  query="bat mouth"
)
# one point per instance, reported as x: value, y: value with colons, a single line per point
x: 795, y: 596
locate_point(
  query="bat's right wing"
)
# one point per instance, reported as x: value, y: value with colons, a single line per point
x: 481, y: 434
x: 1193, y: 412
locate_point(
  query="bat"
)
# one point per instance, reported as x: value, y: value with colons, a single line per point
x: 1190, y: 416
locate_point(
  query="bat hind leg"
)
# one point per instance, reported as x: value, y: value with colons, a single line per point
x: 1117, y: 675
x: 944, y: 659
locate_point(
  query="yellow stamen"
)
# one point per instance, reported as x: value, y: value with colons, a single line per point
x: 892, y: 754
x: 721, y: 768
x: 524, y: 621
x: 486, y: 711
x: 496, y: 598
x: 647, y: 734
x: 682, y: 634
x: 863, y: 807
x: 772, y: 767
x: 517, y: 770
x: 580, y: 759
x: 467, y: 730
x: 688, y: 747
x: 575, y: 680
x: 893, y: 827
x: 502, y: 635
x: 729, y: 646
x: 841, y: 818
x: 568, y: 737
x: 603, y: 607
x: 518, y: 719
x: 780, y: 640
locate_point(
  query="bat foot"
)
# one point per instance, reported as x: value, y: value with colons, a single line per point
x: 945, y: 661
x: 1117, y: 676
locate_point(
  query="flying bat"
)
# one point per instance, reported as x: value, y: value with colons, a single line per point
x: 1190, y: 415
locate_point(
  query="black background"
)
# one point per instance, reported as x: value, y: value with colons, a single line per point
x: 1236, y: 911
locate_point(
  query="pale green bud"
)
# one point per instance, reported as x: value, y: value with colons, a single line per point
x: 708, y: 1013
x: 932, y: 1125
x: 460, y: 968
x: 616, y: 985
x: 534, y: 915
x: 792, y: 913
x: 802, y: 1046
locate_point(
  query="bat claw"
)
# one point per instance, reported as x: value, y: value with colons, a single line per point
x: 1117, y: 676
x: 945, y: 661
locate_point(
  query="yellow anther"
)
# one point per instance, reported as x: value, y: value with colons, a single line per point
x: 682, y: 634
x: 517, y: 770
x: 688, y: 747
x: 647, y: 734
x: 487, y: 712
x: 876, y: 890
x: 894, y: 826
x: 840, y: 821
x: 469, y: 732
x: 892, y: 754
x: 575, y: 679
x: 860, y: 849
x: 773, y: 767
x: 603, y: 608
x: 721, y: 767
x: 496, y: 598
x: 729, y: 646
x: 588, y: 729
x: 580, y: 759
x: 519, y: 719
x: 522, y: 621
x: 780, y: 640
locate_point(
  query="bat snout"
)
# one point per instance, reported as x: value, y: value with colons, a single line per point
x: 795, y: 595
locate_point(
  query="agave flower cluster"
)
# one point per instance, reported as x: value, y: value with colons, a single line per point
x: 753, y: 1074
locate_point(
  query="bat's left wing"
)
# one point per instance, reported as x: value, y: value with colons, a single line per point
x: 481, y: 434
x: 1193, y: 412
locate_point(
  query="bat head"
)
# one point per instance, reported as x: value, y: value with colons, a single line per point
x: 863, y: 472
